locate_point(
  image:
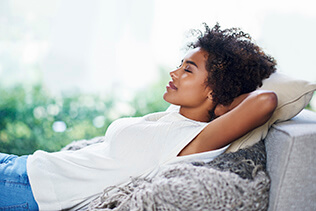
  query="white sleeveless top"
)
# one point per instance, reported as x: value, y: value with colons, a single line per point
x: 133, y: 147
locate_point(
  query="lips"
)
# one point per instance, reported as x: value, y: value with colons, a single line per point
x: 172, y: 86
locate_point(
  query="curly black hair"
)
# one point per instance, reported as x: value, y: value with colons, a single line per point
x: 235, y: 64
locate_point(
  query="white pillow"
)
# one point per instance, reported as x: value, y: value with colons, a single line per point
x: 293, y: 97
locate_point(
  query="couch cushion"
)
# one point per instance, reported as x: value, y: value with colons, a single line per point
x: 291, y: 147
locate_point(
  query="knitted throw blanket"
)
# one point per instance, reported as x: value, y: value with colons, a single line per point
x: 232, y: 181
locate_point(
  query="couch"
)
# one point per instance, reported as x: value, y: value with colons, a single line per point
x: 290, y: 148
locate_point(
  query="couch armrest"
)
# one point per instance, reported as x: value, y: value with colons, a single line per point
x: 291, y: 164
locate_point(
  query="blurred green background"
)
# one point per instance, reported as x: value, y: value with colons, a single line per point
x: 122, y: 49
x: 31, y: 118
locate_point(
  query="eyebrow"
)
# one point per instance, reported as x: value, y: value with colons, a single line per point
x: 191, y: 62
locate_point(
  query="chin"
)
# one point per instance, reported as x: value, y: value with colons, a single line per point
x: 165, y: 97
x: 170, y: 99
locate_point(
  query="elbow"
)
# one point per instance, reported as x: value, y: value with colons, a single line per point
x: 268, y: 102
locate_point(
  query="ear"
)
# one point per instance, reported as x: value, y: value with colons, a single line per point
x: 210, y: 96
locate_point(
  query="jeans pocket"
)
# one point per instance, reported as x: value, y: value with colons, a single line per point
x: 18, y: 207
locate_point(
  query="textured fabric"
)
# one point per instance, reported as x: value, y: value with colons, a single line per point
x: 132, y: 147
x: 232, y: 181
x: 15, y: 190
x: 291, y: 163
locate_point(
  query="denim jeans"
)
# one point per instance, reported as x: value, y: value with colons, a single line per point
x: 15, y: 189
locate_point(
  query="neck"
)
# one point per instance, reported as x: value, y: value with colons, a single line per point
x: 196, y: 114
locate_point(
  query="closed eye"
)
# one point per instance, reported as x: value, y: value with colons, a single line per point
x: 186, y: 70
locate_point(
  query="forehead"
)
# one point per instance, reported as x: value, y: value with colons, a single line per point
x: 197, y: 55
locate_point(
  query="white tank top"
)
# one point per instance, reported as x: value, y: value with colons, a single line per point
x: 133, y: 147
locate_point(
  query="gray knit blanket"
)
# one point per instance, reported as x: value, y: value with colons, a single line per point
x: 232, y: 181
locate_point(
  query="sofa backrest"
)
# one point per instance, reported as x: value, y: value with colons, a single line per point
x: 291, y: 164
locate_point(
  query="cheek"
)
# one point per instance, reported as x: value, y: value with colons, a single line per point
x: 194, y: 96
x: 197, y: 88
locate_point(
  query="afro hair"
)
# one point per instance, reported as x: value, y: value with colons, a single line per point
x: 235, y: 64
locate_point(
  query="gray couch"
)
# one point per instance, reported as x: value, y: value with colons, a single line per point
x: 291, y: 147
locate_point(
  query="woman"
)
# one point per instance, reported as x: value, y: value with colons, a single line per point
x: 215, y: 89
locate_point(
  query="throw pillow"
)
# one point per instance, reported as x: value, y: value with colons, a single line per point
x: 293, y: 97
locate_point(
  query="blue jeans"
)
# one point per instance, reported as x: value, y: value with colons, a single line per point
x: 15, y: 189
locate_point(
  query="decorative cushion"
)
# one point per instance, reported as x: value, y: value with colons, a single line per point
x: 293, y: 97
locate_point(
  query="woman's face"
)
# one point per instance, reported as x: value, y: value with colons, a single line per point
x: 187, y: 87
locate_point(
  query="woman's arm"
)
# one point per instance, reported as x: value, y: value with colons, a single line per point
x: 245, y: 113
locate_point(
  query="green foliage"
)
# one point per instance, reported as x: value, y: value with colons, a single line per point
x: 31, y: 119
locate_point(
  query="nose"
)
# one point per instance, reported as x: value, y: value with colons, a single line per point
x: 174, y: 74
